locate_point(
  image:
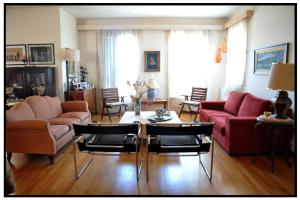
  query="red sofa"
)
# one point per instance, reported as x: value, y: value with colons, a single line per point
x: 235, y: 121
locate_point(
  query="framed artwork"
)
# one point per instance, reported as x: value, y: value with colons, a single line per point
x: 263, y: 58
x: 152, y: 61
x: 41, y: 54
x: 15, y: 53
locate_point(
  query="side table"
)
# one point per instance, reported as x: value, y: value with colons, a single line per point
x: 274, y: 128
x: 163, y: 102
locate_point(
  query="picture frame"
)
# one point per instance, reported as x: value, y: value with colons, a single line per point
x: 14, y: 54
x: 152, y: 61
x: 264, y: 57
x: 41, y: 54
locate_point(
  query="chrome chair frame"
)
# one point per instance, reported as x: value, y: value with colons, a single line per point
x: 138, y: 163
x: 210, y: 140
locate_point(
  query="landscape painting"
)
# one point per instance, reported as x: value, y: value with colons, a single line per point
x: 263, y: 58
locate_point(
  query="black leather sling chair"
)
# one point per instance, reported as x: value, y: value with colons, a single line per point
x: 105, y: 139
x: 187, y: 137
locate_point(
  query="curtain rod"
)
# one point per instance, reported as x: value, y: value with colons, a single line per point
x: 151, y: 27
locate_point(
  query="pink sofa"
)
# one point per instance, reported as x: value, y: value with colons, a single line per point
x: 235, y: 121
x: 42, y: 125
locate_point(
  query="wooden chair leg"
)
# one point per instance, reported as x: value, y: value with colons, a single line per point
x: 51, y: 158
x: 108, y: 114
x: 181, y: 109
x: 197, y: 113
x: 9, y: 155
x: 102, y: 112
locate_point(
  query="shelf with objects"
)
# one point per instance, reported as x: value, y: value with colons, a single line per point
x: 77, y: 87
x: 21, y: 82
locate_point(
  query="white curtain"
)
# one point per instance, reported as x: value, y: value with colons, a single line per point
x: 119, y: 58
x: 236, y: 57
x: 188, y: 61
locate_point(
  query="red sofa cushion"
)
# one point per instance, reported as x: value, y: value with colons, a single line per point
x: 233, y: 102
x: 219, y: 123
x: 253, y: 106
x: 206, y: 114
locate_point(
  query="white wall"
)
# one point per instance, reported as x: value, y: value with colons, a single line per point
x: 270, y: 25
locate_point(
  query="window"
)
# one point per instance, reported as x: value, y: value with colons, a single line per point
x: 188, y: 61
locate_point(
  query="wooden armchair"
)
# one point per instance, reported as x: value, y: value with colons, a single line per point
x: 111, y: 99
x: 198, y: 94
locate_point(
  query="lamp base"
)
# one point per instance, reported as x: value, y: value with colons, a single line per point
x: 151, y: 94
x: 282, y: 104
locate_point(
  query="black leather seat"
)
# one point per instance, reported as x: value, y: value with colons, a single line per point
x: 187, y: 137
x: 99, y: 138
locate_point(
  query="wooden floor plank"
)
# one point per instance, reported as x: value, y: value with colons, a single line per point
x: 106, y: 175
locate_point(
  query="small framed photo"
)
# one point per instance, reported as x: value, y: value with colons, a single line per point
x: 15, y: 53
x: 263, y: 58
x: 41, y: 54
x: 152, y: 61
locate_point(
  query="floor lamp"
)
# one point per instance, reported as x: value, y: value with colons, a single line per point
x: 69, y: 55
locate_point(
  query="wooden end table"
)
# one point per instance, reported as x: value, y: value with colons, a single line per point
x: 274, y: 128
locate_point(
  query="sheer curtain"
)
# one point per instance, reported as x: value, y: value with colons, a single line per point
x: 187, y: 61
x: 119, y: 58
x: 236, y: 57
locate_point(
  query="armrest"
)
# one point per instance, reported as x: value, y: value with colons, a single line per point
x: 239, y: 131
x: 35, y: 124
x: 213, y: 105
x: 186, y: 97
x: 73, y: 106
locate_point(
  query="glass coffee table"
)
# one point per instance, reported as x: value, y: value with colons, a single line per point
x: 130, y: 117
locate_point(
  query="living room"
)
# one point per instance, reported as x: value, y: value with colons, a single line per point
x: 216, y: 47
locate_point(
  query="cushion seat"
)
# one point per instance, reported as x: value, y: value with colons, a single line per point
x: 63, y: 121
x: 196, y: 103
x: 79, y: 115
x: 206, y: 114
x: 59, y: 131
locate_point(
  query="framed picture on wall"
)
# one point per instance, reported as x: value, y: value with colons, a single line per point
x: 152, y: 61
x: 41, y: 54
x: 15, y: 54
x: 263, y: 58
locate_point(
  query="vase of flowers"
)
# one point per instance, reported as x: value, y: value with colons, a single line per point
x: 140, y: 88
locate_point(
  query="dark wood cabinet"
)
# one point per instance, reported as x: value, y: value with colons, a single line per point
x: 28, y: 81
x: 88, y: 94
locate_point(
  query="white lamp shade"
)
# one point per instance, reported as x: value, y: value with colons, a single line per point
x: 152, y: 83
x: 282, y: 77
x: 70, y: 54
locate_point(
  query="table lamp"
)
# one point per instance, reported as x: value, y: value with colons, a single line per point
x: 282, y: 79
x: 152, y: 86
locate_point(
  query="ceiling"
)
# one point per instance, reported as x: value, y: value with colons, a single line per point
x: 151, y: 11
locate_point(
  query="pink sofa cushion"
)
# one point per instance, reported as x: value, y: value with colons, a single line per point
x: 40, y: 107
x: 55, y: 105
x: 21, y: 111
x: 63, y: 121
x: 206, y: 114
x: 253, y: 106
x: 59, y: 131
x: 79, y: 115
x: 219, y: 123
x: 233, y: 102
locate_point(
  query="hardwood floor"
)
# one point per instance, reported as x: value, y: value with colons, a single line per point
x: 107, y: 175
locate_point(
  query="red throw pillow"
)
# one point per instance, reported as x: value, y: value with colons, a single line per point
x: 253, y: 106
x: 233, y: 102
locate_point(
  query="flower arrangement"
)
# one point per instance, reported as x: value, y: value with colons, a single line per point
x: 140, y: 88
x: 83, y: 73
